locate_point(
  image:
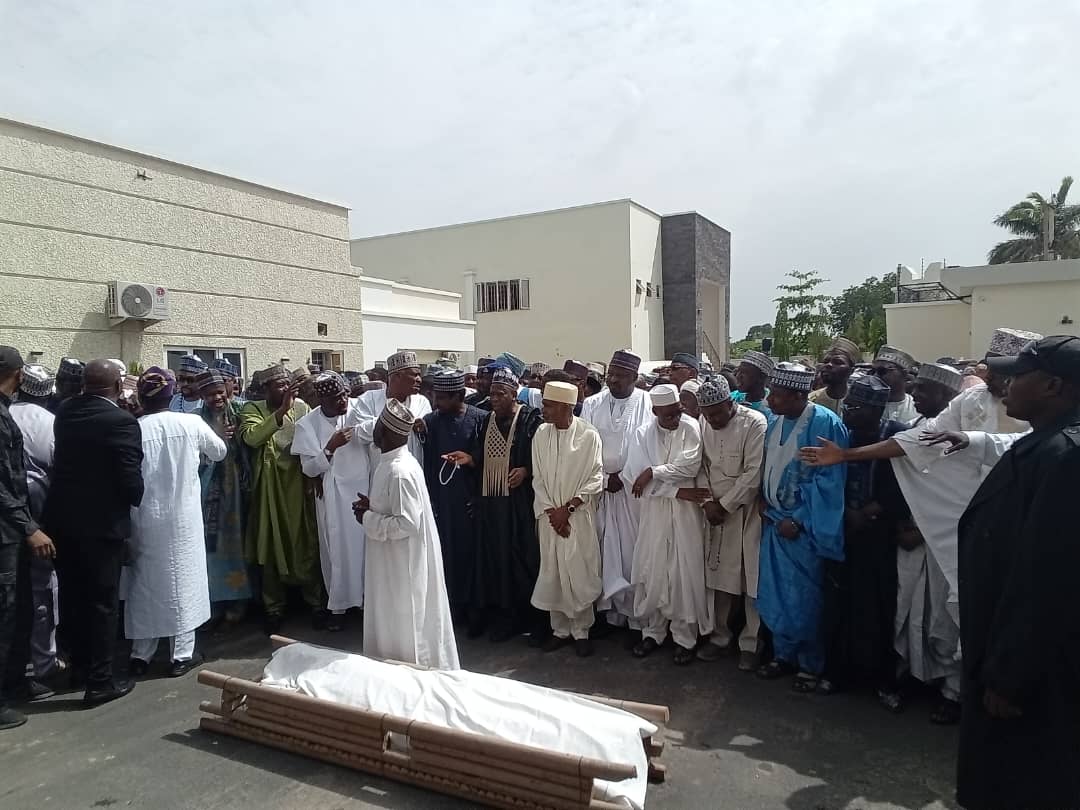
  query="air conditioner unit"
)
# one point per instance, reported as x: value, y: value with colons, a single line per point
x: 136, y: 301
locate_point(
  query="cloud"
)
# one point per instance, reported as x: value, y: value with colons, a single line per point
x: 845, y: 137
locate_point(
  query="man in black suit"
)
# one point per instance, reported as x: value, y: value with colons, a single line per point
x: 97, y: 478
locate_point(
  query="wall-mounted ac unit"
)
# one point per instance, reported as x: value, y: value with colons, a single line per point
x: 137, y: 301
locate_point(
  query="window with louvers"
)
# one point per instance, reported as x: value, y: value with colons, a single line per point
x: 501, y: 296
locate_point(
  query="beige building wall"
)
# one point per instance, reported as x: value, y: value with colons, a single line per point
x: 578, y: 263
x: 646, y: 312
x: 930, y: 330
x: 249, y: 269
x: 1037, y: 307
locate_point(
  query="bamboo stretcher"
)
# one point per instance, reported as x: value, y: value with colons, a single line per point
x: 478, y: 768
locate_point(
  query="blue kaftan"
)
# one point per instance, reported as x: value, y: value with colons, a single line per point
x: 792, y: 575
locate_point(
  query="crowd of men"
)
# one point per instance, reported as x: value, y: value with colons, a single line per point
x: 850, y: 526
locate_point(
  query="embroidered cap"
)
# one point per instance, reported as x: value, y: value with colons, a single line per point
x: 624, y: 358
x: 401, y: 361
x: 269, y: 375
x: 504, y: 376
x: 226, y: 368
x: 663, y: 395
x: 192, y: 364
x: 691, y: 387
x: 576, y: 369
x: 1009, y: 342
x: 471, y: 369
x: 793, y: 376
x: 713, y: 392
x: 760, y: 361
x: 868, y: 390
x: 941, y: 373
x: 70, y: 371
x: 208, y: 379
x: 156, y: 383
x: 37, y: 381
x: 449, y: 381
x: 898, y: 357
x: 686, y: 359
x: 846, y: 347
x: 330, y: 384
x: 397, y: 418
x: 539, y: 369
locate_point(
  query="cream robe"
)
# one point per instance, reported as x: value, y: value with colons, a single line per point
x: 731, y: 470
x: 167, y: 589
x: 408, y: 614
x: 617, y: 421
x: 669, y: 568
x: 341, y: 541
x: 567, y: 464
x: 364, y: 412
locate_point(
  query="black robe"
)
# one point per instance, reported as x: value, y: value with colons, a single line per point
x: 452, y: 503
x: 1019, y: 559
x: 860, y: 591
x: 507, y: 548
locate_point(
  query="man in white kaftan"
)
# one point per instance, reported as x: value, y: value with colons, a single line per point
x: 733, y: 445
x: 329, y: 453
x: 408, y: 613
x: 168, y: 593
x: 669, y: 559
x: 403, y: 386
x: 568, y: 477
x: 617, y: 412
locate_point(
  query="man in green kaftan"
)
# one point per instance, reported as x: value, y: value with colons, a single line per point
x: 282, y: 535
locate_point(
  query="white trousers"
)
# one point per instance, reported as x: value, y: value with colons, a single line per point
x: 181, y: 647
x: 578, y: 625
x: 748, y: 638
x: 685, y: 633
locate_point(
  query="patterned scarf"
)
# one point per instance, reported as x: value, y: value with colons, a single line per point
x: 497, y: 456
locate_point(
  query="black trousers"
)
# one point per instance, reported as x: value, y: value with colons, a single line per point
x: 16, y: 616
x: 88, y: 570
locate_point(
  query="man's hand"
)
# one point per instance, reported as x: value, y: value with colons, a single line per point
x: 459, y: 458
x: 517, y: 477
x: 954, y: 438
x: 339, y: 439
x: 828, y: 454
x: 998, y: 707
x: 788, y: 529
x: 419, y: 428
x: 286, y: 403
x: 642, y: 481
x: 715, y: 513
x: 854, y: 520
x: 689, y: 494
x: 41, y: 545
x: 360, y: 507
x: 560, y: 521
x: 316, y: 486
x: 762, y: 508
x: 614, y: 483
x: 228, y: 432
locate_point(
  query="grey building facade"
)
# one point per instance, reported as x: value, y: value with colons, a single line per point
x: 696, y: 259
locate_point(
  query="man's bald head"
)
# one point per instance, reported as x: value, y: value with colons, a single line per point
x: 102, y: 378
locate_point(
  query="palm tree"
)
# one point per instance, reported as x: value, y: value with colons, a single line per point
x: 1025, y: 219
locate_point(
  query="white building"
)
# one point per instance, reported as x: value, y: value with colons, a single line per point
x: 575, y: 282
x: 249, y: 273
x: 953, y: 311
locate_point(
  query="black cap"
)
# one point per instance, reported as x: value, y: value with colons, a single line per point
x: 10, y: 360
x: 1057, y: 355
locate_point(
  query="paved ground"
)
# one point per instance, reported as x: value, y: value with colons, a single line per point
x: 734, y: 742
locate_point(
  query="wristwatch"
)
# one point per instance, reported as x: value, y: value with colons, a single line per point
x: 571, y: 508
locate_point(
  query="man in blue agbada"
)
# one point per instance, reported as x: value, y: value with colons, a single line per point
x: 803, y: 527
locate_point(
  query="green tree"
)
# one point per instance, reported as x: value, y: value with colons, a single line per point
x: 867, y: 299
x: 856, y: 331
x: 805, y: 309
x: 1025, y: 221
x: 760, y: 331
x: 782, y: 334
x: 875, y: 334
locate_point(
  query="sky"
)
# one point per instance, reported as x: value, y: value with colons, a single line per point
x: 844, y: 136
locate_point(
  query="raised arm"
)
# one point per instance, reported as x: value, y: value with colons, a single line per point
x: 255, y: 429
x: 210, y: 444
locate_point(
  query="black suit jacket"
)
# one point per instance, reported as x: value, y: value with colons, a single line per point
x: 97, y: 471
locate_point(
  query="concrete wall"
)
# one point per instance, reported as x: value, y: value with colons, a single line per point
x: 697, y: 271
x: 646, y: 265
x: 1035, y: 307
x: 931, y: 330
x: 248, y: 268
x: 397, y: 317
x: 577, y: 261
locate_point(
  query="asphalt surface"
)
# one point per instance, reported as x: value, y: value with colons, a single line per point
x: 734, y: 741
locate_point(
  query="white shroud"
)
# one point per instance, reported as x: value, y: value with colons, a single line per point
x: 480, y: 704
x: 347, y: 474
x: 408, y: 614
x: 166, y: 585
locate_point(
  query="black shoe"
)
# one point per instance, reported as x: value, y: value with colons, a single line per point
x: 9, y: 718
x: 180, y: 668
x: 320, y: 619
x: 602, y: 629
x: 272, y: 625
x: 583, y: 647
x: 554, y: 643
x: 645, y: 648
x: 335, y: 622
x: 631, y: 639
x: 32, y: 690
x: 97, y: 695
x: 76, y: 680
x: 137, y: 668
